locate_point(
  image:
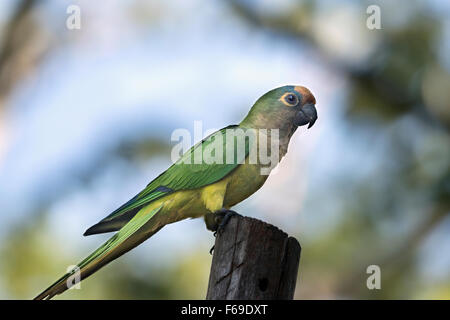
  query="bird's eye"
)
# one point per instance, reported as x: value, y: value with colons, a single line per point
x: 290, y: 99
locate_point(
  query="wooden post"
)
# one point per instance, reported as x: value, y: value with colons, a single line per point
x: 253, y: 260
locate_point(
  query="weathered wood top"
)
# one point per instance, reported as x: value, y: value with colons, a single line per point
x: 253, y: 260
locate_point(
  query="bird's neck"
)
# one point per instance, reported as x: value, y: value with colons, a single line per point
x: 284, y: 128
x: 280, y: 134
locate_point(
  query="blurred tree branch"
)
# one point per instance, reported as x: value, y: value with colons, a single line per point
x: 20, y: 48
x: 395, y: 262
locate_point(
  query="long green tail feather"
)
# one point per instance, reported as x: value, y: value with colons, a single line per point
x: 132, y: 234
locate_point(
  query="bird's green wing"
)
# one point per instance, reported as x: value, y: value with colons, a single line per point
x: 205, y: 163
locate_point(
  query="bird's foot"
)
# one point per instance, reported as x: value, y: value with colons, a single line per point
x: 221, y: 218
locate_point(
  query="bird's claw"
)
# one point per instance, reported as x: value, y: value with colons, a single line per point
x: 223, y: 216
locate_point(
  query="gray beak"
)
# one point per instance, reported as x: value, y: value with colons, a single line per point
x: 307, y: 114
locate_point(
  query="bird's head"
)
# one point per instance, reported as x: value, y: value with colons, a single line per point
x: 283, y: 107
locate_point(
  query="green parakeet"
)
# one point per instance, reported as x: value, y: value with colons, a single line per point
x: 191, y: 188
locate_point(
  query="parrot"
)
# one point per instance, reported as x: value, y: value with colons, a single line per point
x: 199, y: 189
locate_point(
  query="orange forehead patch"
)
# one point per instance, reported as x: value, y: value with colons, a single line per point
x: 308, y: 97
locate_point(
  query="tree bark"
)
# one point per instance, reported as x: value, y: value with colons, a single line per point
x: 253, y: 260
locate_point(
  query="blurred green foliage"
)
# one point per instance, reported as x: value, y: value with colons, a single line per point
x: 398, y: 97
